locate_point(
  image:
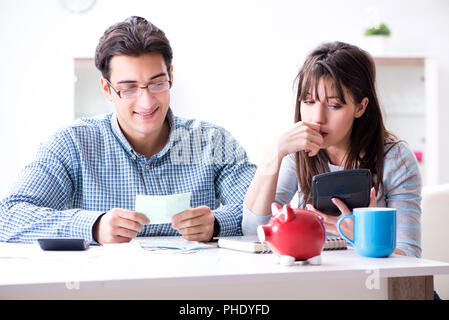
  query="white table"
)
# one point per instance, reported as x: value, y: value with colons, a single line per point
x: 126, y: 271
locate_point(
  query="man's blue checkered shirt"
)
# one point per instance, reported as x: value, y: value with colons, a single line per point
x: 89, y: 168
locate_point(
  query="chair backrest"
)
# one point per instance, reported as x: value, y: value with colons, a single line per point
x: 435, y: 222
x: 435, y: 230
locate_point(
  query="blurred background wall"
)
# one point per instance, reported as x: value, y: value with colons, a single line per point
x: 234, y: 63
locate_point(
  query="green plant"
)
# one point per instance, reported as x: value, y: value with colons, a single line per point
x: 381, y: 29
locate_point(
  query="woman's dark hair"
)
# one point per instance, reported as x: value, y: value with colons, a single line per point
x: 133, y: 37
x: 352, y: 68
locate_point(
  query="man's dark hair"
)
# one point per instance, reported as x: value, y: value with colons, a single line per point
x: 134, y: 36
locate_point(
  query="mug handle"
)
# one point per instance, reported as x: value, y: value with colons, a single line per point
x: 339, y: 229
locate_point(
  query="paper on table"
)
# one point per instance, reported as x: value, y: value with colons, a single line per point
x: 182, y: 245
x: 160, y: 209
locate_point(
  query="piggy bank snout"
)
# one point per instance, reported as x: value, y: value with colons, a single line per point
x: 296, y: 233
x: 264, y: 232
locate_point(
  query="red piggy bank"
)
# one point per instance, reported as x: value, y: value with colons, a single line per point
x: 294, y: 234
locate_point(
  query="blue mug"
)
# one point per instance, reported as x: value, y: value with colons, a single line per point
x: 374, y: 231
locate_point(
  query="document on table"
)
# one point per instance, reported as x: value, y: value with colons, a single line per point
x: 176, y: 244
x: 160, y: 209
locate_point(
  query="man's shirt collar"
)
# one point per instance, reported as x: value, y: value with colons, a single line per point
x: 127, y: 146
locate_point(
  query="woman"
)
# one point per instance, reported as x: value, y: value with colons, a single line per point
x: 338, y: 126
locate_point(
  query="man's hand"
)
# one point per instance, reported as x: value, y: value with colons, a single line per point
x: 195, y: 224
x: 118, y: 225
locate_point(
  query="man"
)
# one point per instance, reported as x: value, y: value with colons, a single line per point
x: 84, y: 180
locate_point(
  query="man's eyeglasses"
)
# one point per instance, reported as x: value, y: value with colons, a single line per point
x: 134, y: 92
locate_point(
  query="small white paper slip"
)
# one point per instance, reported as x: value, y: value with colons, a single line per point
x: 180, y: 244
x: 160, y: 209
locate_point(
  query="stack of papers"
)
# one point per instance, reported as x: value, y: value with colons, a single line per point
x: 172, y: 245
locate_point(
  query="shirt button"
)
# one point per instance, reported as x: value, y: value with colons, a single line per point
x: 147, y: 167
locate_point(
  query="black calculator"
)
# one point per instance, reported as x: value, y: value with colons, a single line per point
x: 63, y: 244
